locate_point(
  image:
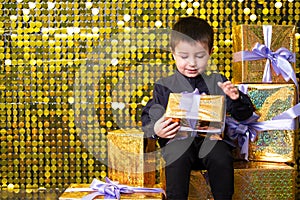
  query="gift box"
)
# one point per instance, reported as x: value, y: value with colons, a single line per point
x: 246, y: 37
x: 130, y: 162
x: 207, y: 110
x: 264, y: 180
x: 76, y: 192
x: 252, y: 180
x: 271, y: 100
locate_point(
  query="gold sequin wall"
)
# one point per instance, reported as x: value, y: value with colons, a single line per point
x: 70, y: 71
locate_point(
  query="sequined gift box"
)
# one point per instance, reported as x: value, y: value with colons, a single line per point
x: 245, y: 37
x: 207, y: 109
x: 71, y: 194
x: 252, y: 180
x: 130, y: 162
x: 271, y: 100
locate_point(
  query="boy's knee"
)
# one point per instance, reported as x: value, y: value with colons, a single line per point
x: 220, y: 155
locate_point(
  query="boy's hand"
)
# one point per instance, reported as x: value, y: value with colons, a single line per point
x: 165, y: 128
x: 229, y: 89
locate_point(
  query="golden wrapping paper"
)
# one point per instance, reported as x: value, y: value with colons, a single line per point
x: 210, y: 111
x: 245, y: 37
x: 199, y: 189
x: 252, y: 180
x: 127, y: 162
x: 271, y: 100
x: 264, y: 180
x: 79, y: 195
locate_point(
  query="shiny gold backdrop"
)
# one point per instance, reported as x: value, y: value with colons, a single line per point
x: 73, y: 70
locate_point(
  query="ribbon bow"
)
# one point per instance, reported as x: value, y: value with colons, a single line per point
x: 242, y: 132
x: 112, y: 190
x: 279, y: 59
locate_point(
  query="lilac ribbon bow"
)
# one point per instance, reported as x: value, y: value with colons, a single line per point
x: 112, y: 190
x: 245, y: 131
x: 279, y: 59
x: 242, y: 132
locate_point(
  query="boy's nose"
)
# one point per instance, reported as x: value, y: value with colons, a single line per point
x: 192, y: 62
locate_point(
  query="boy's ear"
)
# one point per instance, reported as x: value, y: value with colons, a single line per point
x: 174, y: 56
x: 172, y: 53
x: 211, y: 51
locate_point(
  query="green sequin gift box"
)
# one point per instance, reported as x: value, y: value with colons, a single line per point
x: 271, y: 100
x: 245, y: 37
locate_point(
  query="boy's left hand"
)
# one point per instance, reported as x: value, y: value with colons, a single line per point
x: 229, y: 89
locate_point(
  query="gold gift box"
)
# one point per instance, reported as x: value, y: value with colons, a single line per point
x: 271, y: 100
x: 77, y: 195
x: 130, y: 162
x: 264, y: 180
x: 210, y: 109
x: 252, y: 180
x: 245, y: 37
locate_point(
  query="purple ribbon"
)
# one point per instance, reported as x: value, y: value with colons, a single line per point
x: 112, y: 190
x: 279, y: 59
x: 245, y: 131
x: 190, y: 102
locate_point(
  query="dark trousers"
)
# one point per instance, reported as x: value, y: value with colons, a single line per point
x: 198, y: 153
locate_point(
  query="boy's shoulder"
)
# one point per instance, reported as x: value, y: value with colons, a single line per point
x: 166, y: 82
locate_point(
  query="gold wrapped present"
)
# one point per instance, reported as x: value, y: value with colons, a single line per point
x: 78, y: 191
x: 208, y: 110
x: 252, y: 180
x: 271, y: 100
x: 264, y: 180
x: 130, y: 162
x: 245, y: 37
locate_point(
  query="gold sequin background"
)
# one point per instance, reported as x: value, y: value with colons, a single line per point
x: 70, y: 71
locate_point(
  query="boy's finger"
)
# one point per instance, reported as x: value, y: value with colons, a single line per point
x: 220, y: 84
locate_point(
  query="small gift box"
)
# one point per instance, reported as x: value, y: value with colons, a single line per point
x: 110, y: 190
x: 130, y: 162
x: 272, y: 134
x: 202, y: 113
x: 263, y: 53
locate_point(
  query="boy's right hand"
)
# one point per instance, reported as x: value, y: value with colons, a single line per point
x: 166, y: 128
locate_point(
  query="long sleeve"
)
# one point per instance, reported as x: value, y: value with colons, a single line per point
x: 240, y: 109
x: 154, y: 109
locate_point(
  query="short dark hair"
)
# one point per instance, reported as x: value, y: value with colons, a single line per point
x: 192, y: 29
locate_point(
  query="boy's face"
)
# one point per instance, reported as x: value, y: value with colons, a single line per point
x: 191, y: 58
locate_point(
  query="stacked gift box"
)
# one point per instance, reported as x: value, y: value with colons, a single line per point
x: 270, y: 81
x: 264, y: 64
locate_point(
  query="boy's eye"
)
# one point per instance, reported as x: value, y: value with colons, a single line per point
x: 201, y: 56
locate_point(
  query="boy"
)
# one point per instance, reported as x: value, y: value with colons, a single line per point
x: 191, y: 44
